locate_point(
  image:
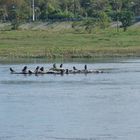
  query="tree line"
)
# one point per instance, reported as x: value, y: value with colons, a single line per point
x: 92, y: 11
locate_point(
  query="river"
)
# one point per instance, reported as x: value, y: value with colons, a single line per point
x: 103, y: 106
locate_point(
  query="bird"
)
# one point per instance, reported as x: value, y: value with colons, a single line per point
x: 62, y: 72
x: 74, y: 68
x: 61, y: 65
x: 54, y: 66
x: 36, y: 70
x: 85, y: 67
x: 67, y: 71
x: 24, y: 69
x: 12, y: 70
x: 30, y: 72
x: 42, y: 69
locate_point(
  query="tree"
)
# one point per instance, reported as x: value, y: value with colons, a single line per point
x: 126, y: 19
x: 99, y: 10
x: 104, y: 20
x: 136, y: 7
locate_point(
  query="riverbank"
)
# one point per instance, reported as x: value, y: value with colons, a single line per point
x: 69, y: 43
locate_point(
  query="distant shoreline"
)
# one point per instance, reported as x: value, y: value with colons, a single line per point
x: 69, y: 44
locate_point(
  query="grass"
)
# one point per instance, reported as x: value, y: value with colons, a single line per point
x: 69, y: 44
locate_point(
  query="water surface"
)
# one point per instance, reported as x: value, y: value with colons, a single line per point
x: 71, y: 107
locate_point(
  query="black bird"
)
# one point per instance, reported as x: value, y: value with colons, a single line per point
x: 54, y: 66
x: 74, y: 68
x: 62, y: 72
x: 36, y: 70
x: 67, y: 71
x: 42, y: 69
x: 61, y: 65
x: 24, y: 69
x: 30, y: 72
x: 12, y: 70
x: 85, y: 67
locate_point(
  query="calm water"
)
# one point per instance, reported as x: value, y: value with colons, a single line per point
x: 71, y: 107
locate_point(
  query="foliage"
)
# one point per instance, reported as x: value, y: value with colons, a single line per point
x: 104, y: 20
x: 102, y: 11
x: 126, y: 19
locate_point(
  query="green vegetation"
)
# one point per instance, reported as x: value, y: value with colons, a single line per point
x: 99, y: 11
x: 69, y: 44
x: 87, y: 31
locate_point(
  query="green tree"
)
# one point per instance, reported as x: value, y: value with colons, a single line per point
x: 14, y: 17
x: 104, y: 20
x: 136, y: 7
x: 126, y: 19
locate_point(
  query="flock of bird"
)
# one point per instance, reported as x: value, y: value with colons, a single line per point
x: 54, y: 70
